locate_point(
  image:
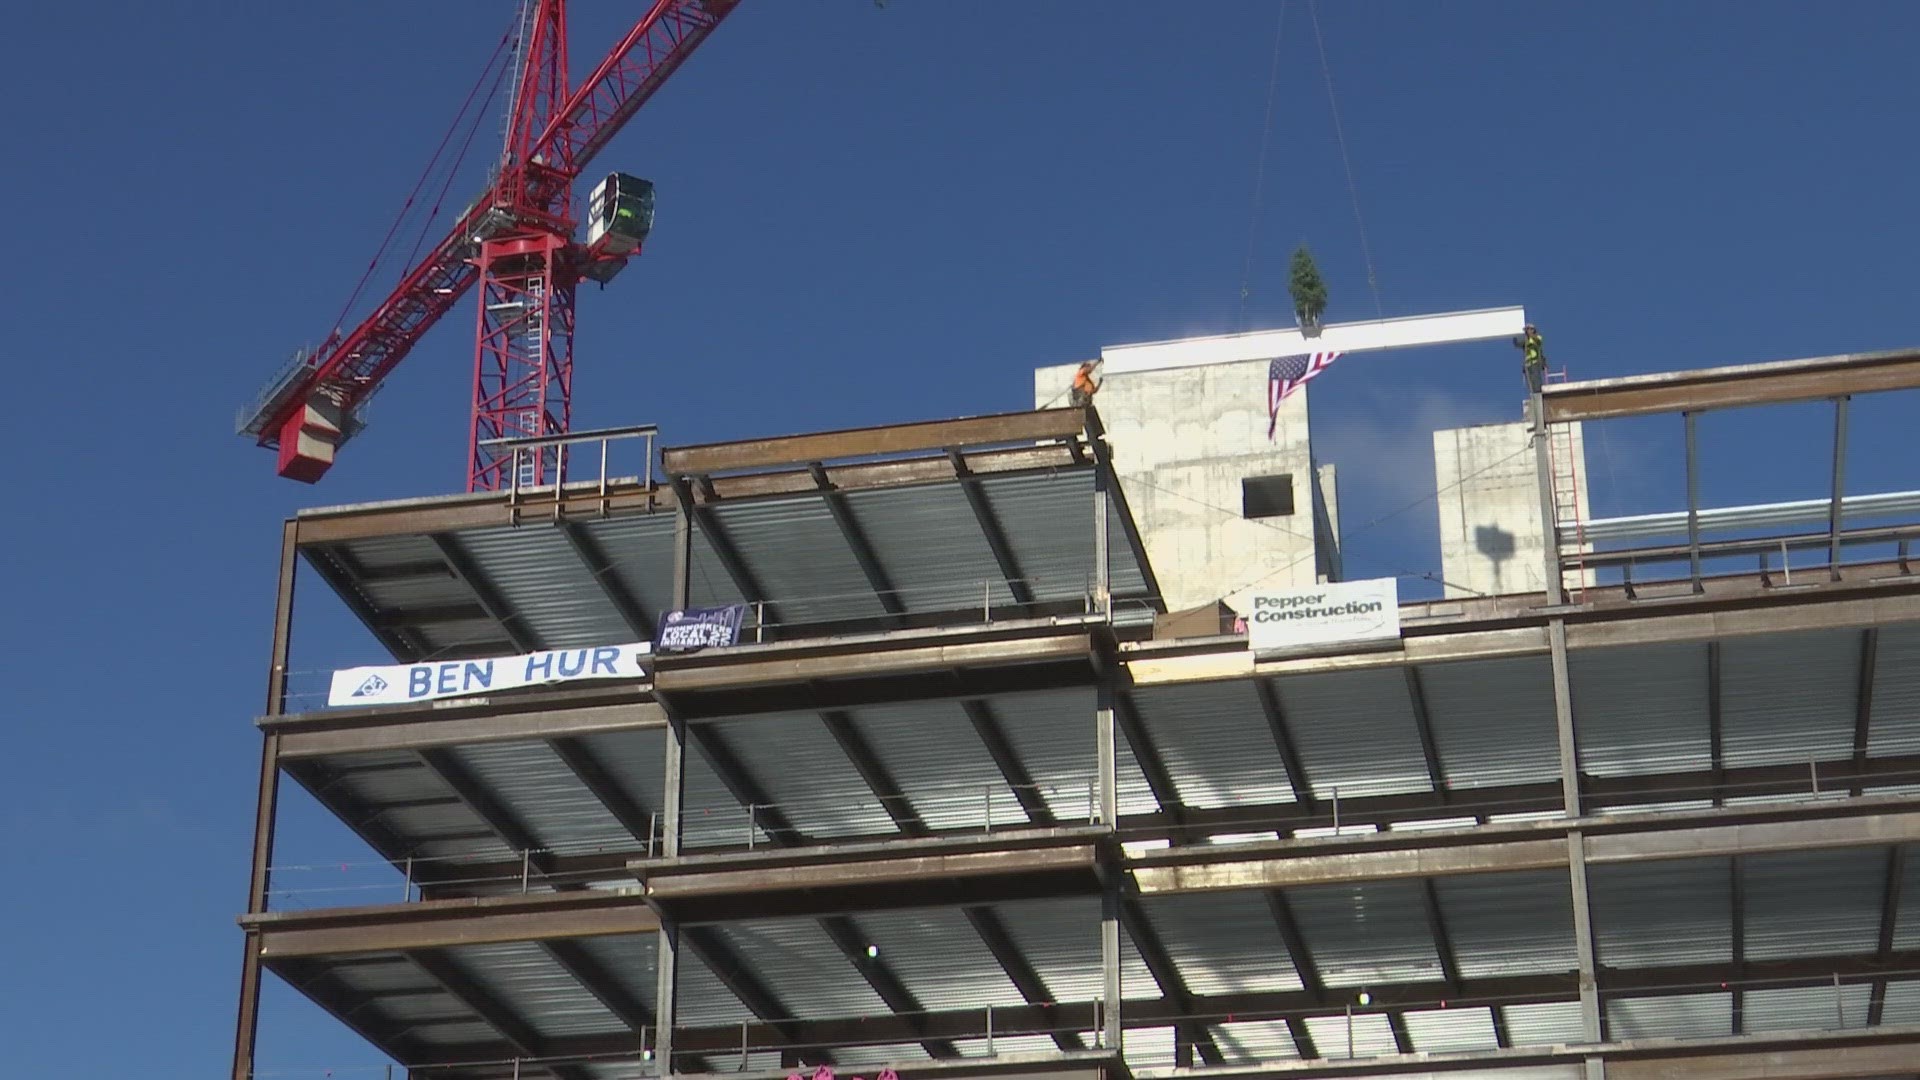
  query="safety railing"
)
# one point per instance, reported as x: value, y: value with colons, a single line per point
x: 1777, y: 559
x: 1379, y: 1020
x: 953, y: 603
x: 1644, y: 778
x: 553, y: 454
x: 1659, y: 778
x: 952, y: 811
x: 949, y: 810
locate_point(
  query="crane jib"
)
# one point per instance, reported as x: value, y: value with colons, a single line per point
x: 310, y: 410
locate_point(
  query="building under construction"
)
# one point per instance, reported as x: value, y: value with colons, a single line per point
x: 994, y: 781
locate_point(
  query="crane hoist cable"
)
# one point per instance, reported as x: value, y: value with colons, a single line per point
x: 1346, y: 162
x: 1260, y: 167
x: 426, y: 174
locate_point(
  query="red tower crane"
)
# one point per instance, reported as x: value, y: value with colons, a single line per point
x: 517, y: 241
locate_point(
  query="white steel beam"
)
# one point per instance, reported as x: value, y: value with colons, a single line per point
x: 1854, y: 509
x: 1403, y: 333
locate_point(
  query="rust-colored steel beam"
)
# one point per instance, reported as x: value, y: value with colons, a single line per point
x: 987, y: 726
x: 1284, y: 745
x: 1146, y: 941
x: 1604, y: 792
x: 440, y: 924
x: 856, y: 537
x: 1153, y: 765
x: 594, y: 558
x: 555, y: 714
x: 1732, y: 387
x: 1021, y: 972
x: 1018, y: 586
x: 517, y: 629
x: 1198, y: 1011
x: 878, y: 779
x: 930, y: 436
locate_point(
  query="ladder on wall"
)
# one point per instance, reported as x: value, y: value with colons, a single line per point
x: 532, y: 421
x: 1563, y: 465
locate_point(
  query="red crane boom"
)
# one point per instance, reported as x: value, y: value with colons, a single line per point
x: 517, y: 239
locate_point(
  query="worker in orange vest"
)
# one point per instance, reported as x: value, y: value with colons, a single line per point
x: 1083, y: 385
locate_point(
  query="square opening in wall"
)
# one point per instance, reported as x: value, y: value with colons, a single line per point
x: 1266, y: 496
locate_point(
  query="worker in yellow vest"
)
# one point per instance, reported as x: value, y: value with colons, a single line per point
x: 1534, y: 357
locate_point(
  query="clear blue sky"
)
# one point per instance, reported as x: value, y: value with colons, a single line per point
x: 866, y: 215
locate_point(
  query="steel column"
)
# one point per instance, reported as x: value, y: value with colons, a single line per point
x: 1105, y: 750
x: 283, y: 619
x: 1839, y: 485
x: 1563, y: 717
x: 1693, y: 501
x: 266, y: 806
x: 673, y: 793
x: 682, y: 547
x: 1102, y: 570
x: 1863, y: 700
x: 1592, y: 1029
x: 665, y: 996
x: 1716, y: 730
x: 1737, y: 925
x: 247, y: 1023
x: 1889, y: 920
x: 1110, y: 1031
x: 1555, y: 585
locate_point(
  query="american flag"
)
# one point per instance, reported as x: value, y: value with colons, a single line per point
x: 1286, y: 374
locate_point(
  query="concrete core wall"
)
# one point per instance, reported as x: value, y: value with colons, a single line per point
x: 1183, y: 441
x: 1491, y: 538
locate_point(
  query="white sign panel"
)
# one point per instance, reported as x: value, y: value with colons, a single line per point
x: 1346, y: 611
x: 397, y: 684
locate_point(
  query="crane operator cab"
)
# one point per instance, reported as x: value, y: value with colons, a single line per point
x: 619, y: 217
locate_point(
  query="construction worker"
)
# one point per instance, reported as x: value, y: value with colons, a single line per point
x: 1083, y: 385
x: 1534, y: 353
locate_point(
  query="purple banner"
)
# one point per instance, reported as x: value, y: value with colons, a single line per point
x: 699, y: 628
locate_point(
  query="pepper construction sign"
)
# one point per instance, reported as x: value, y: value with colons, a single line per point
x: 1334, y: 613
x: 400, y: 683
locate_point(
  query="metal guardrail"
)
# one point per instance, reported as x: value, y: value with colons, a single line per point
x: 1673, y: 523
x: 556, y: 449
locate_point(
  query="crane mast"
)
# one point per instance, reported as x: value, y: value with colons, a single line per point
x: 517, y: 241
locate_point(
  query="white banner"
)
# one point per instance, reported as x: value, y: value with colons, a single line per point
x: 1346, y: 611
x: 397, y: 684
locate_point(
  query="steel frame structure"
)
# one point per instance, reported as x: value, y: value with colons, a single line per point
x: 684, y: 897
x: 1690, y: 393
